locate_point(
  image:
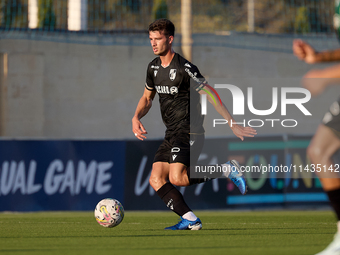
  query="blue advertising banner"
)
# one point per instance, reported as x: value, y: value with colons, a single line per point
x: 264, y: 190
x: 138, y: 194
x: 298, y: 187
x: 76, y: 175
x: 60, y: 175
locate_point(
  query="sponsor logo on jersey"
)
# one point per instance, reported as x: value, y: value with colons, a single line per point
x: 155, y: 67
x: 173, y: 90
x: 192, y: 142
x: 187, y: 65
x: 193, y: 76
x: 175, y: 150
x: 165, y: 90
x: 172, y: 74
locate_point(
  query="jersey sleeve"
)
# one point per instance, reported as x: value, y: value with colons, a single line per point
x: 149, y: 84
x: 197, y: 79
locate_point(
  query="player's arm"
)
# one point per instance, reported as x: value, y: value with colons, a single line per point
x: 307, y: 53
x: 238, y: 130
x: 142, y: 109
x: 318, y: 79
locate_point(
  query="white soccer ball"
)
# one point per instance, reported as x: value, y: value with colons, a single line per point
x: 109, y: 212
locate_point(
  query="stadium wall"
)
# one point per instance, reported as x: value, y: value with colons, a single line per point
x: 89, y: 89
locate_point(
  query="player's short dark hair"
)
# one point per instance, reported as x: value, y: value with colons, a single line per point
x: 163, y: 25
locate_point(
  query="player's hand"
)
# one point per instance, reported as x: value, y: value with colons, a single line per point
x: 314, y: 82
x: 304, y: 51
x: 138, y: 129
x: 242, y: 132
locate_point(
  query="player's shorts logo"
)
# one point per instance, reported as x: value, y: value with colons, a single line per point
x: 175, y: 149
x: 173, y: 90
x: 172, y: 74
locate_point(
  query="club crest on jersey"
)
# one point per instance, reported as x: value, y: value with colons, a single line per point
x: 155, y: 72
x: 172, y: 74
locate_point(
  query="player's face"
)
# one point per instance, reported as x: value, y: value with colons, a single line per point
x: 160, y: 43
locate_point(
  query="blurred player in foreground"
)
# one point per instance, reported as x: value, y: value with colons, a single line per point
x: 326, y: 140
x: 170, y: 75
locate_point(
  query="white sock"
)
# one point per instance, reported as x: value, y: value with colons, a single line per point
x: 189, y: 216
x: 338, y: 225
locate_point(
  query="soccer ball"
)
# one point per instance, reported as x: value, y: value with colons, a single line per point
x: 109, y: 212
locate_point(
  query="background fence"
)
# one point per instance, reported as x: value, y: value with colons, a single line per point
x: 209, y: 16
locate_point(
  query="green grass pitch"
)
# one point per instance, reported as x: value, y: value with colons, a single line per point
x: 224, y: 232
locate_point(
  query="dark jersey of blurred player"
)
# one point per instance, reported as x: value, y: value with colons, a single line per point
x: 179, y: 102
x: 332, y: 117
x: 336, y: 20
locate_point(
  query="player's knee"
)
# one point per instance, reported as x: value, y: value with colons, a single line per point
x: 156, y: 181
x: 177, y: 180
x: 153, y: 181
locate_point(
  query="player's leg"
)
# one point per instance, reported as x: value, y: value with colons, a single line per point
x: 184, y: 156
x: 165, y: 190
x: 172, y: 198
x: 234, y: 173
x: 179, y: 160
x: 321, y: 149
x: 231, y: 169
x: 178, y: 175
x: 185, y: 151
x: 168, y: 193
x: 159, y: 175
x: 160, y: 168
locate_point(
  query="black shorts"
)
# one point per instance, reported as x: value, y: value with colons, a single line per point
x: 180, y: 148
x: 332, y: 118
